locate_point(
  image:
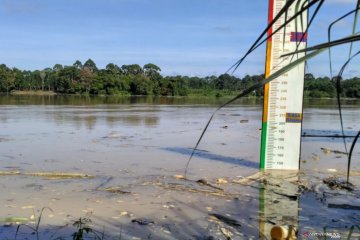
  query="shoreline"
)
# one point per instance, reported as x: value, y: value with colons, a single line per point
x: 52, y: 93
x: 33, y: 93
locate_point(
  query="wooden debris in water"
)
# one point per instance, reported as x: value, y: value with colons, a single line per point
x: 14, y: 220
x: 227, y: 234
x: 206, y: 183
x: 28, y: 207
x: 221, y: 181
x: 227, y: 220
x: 328, y: 151
x: 58, y: 175
x: 7, y: 173
x: 179, y: 177
x: 180, y: 187
x: 124, y: 213
x: 255, y: 177
x: 116, y: 190
x: 338, y: 184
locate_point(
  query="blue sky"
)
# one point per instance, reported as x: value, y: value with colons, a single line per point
x: 188, y: 37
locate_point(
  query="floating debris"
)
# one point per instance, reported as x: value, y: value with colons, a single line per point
x: 328, y: 151
x: 244, y: 121
x: 209, y: 209
x: 335, y: 183
x: 6, y: 173
x: 229, y: 221
x: 113, y: 135
x: 58, y: 175
x: 179, y: 177
x: 116, y: 190
x: 252, y: 178
x: 143, y: 221
x: 227, y: 234
x: 124, y: 213
x: 14, y: 220
x: 221, y: 181
x: 181, y: 187
x: 204, y: 182
x: 28, y: 207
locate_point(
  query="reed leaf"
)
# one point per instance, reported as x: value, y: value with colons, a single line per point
x: 350, y: 155
x: 354, y: 24
x: 341, y: 41
x: 329, y: 34
x: 351, y: 231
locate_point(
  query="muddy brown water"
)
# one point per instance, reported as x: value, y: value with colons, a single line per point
x: 132, y: 147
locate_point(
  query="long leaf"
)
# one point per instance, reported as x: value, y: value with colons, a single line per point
x: 350, y: 155
x: 329, y: 34
x: 351, y: 231
x: 338, y: 90
x: 326, y: 45
x: 308, y: 26
x: 354, y: 24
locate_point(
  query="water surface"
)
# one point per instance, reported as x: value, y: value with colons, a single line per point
x: 138, y: 144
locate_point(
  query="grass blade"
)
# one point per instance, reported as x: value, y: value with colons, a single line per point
x: 329, y: 34
x: 345, y: 40
x: 338, y: 91
x: 352, y: 230
x: 350, y: 155
x: 354, y: 24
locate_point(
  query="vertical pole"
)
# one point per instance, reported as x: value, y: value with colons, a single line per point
x: 283, y: 97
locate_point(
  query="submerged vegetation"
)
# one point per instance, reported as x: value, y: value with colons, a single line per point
x: 133, y: 79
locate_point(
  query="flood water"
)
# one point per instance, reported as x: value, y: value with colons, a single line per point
x: 132, y: 147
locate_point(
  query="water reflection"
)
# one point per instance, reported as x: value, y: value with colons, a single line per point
x: 6, y: 99
x: 111, y: 119
x: 122, y: 100
x: 278, y: 201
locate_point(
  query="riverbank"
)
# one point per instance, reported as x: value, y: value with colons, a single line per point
x: 34, y: 93
x: 220, y: 94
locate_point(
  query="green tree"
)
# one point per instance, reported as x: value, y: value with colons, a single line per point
x: 152, y: 71
x: 113, y: 69
x: 78, y: 64
x: 132, y: 69
x: 7, y: 79
x: 90, y: 65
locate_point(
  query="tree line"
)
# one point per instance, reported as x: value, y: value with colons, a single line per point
x: 133, y: 79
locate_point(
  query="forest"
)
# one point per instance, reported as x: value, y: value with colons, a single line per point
x: 88, y: 79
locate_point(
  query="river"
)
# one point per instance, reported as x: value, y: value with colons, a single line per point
x: 128, y: 152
